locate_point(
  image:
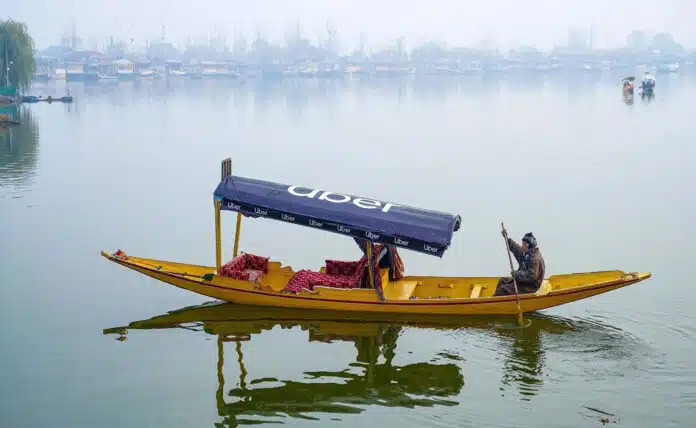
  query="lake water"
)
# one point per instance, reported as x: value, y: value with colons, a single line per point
x: 602, y: 184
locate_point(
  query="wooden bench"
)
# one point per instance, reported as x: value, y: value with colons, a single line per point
x: 476, y: 290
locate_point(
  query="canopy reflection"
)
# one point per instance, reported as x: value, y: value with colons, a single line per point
x: 367, y: 382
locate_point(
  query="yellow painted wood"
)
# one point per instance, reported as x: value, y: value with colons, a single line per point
x: 237, y: 230
x: 409, y: 295
x: 218, y: 243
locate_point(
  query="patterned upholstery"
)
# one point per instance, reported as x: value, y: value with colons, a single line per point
x: 307, y: 279
x: 338, y: 267
x: 341, y: 274
x: 398, y: 265
x: 245, y: 267
x: 120, y: 255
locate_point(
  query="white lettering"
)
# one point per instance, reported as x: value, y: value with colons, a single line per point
x: 371, y: 235
x: 343, y: 229
x: 338, y: 198
x: 259, y: 211
x: 232, y: 206
x: 368, y: 204
x: 311, y: 194
x: 316, y: 223
x: 287, y: 217
x: 427, y: 247
x: 326, y: 197
x: 399, y: 241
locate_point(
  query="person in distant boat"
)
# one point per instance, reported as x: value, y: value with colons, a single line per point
x: 648, y: 80
x: 628, y: 86
x: 532, y: 268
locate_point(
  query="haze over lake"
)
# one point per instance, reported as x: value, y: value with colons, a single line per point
x: 133, y: 165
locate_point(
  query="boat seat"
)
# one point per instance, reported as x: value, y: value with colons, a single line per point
x: 245, y: 267
x: 544, y: 288
x: 307, y: 279
x: 476, y: 290
x: 400, y: 290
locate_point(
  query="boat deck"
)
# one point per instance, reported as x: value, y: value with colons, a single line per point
x: 416, y: 294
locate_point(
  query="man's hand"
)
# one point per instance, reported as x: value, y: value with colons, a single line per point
x: 513, y: 273
x: 504, y: 232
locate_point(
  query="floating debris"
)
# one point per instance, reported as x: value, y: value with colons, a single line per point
x: 606, y: 417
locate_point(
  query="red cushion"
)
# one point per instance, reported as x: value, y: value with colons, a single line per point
x: 234, y: 274
x: 244, y: 266
x: 341, y: 274
x: 307, y: 279
x: 338, y: 267
x: 256, y: 262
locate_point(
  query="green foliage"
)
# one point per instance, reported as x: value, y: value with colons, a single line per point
x: 16, y: 54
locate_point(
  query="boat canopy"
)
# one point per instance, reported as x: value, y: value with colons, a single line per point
x: 416, y: 229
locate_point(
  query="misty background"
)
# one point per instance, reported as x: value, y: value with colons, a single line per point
x: 496, y: 23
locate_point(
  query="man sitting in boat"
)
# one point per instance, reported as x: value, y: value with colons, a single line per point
x: 628, y: 85
x: 531, y: 271
x: 648, y: 81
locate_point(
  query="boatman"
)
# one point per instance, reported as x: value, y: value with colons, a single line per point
x: 531, y: 270
x: 648, y: 80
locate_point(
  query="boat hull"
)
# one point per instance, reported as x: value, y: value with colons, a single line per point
x: 190, y: 277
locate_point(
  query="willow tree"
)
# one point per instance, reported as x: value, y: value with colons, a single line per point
x: 17, y: 64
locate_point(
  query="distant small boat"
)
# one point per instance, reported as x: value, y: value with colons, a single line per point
x: 108, y: 77
x: 669, y: 67
x: 48, y: 99
x: 146, y: 74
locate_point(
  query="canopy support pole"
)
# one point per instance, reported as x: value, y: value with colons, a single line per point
x: 226, y: 171
x: 236, y: 234
x: 220, y: 393
x: 218, y: 244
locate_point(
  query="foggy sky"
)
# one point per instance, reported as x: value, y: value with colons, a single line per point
x: 506, y: 23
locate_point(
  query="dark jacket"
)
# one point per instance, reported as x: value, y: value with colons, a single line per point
x: 531, y: 271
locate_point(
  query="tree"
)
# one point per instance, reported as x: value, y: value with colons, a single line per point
x: 17, y: 63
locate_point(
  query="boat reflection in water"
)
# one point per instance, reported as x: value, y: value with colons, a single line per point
x: 423, y: 384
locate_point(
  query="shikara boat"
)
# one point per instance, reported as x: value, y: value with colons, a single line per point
x: 365, y: 285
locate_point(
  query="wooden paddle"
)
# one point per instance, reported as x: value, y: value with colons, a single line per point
x: 514, y: 282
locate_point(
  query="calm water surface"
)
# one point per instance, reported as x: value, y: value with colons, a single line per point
x: 602, y: 184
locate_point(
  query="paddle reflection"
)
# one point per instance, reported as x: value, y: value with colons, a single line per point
x: 367, y: 382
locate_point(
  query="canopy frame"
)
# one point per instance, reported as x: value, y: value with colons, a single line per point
x: 425, y: 231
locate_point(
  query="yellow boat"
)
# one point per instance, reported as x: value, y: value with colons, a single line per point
x: 380, y: 228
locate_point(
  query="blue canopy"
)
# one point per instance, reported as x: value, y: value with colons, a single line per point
x: 416, y: 229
